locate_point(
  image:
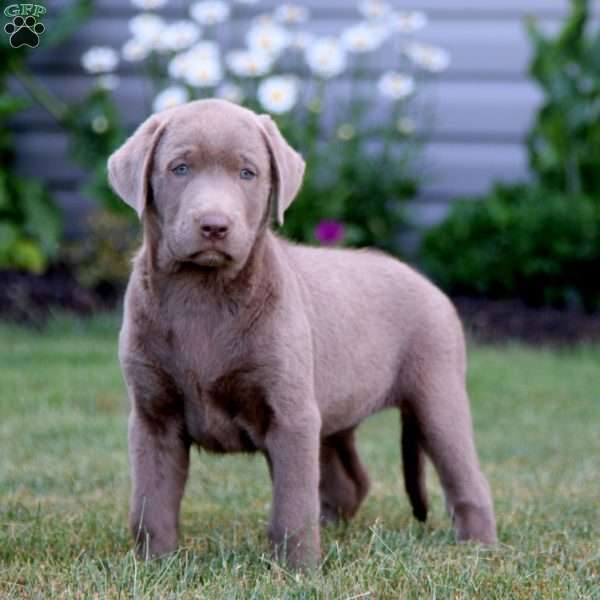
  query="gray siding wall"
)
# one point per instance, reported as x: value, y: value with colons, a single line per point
x: 483, y: 103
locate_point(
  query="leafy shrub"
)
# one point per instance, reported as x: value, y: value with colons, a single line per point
x: 565, y: 137
x: 519, y: 241
x: 360, y: 189
x: 538, y: 241
x: 95, y: 131
x: 102, y: 257
x: 30, y: 223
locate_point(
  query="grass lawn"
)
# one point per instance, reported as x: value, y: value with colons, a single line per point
x: 64, y: 489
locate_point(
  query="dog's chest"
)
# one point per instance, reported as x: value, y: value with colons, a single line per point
x: 228, y: 414
x: 225, y: 403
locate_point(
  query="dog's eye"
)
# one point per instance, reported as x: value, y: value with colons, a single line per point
x: 181, y: 169
x: 247, y: 174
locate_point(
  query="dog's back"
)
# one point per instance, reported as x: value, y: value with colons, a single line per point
x: 370, y: 315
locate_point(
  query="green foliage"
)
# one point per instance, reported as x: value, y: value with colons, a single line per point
x: 95, y: 131
x: 346, y: 181
x: 102, y: 257
x: 519, y: 241
x: 30, y: 223
x: 563, y: 143
x: 540, y: 241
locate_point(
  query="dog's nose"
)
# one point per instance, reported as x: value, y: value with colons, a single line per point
x: 214, y: 226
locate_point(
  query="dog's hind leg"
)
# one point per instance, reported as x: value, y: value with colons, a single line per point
x: 344, y: 480
x: 441, y: 410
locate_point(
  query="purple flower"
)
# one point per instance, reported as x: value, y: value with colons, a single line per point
x: 329, y: 231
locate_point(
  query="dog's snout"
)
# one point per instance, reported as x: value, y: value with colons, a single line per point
x: 215, y: 226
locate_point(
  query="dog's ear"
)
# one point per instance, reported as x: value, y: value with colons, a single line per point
x: 287, y: 166
x: 130, y: 167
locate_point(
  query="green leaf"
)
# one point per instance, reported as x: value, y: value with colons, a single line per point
x: 8, y: 236
x: 25, y: 254
x: 42, y: 218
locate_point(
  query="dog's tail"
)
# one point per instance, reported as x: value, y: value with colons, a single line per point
x: 413, y: 464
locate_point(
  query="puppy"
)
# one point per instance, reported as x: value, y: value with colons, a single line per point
x: 238, y: 341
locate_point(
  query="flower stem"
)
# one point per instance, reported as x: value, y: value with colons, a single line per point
x: 55, y: 107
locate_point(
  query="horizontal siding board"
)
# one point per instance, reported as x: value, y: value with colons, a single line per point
x: 454, y: 169
x: 475, y: 8
x: 76, y: 206
x: 423, y: 213
x: 447, y: 168
x: 463, y: 110
x: 490, y: 49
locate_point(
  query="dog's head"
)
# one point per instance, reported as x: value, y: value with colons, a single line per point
x: 209, y: 173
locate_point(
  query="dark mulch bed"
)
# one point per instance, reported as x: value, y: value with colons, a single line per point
x: 31, y: 299
x: 504, y: 320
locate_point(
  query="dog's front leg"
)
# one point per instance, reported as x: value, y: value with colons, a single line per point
x: 159, y: 461
x: 294, y: 458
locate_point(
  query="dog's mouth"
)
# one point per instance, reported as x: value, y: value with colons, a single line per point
x: 210, y: 259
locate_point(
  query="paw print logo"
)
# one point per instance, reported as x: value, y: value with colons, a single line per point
x: 24, y: 32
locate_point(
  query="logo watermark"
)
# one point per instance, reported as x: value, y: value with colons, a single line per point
x: 25, y: 27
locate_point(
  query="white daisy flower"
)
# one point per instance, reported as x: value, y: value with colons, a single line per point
x: 170, y: 98
x: 180, y: 35
x: 205, y: 50
x: 374, y: 9
x: 301, y: 40
x: 178, y: 65
x: 149, y: 4
x: 248, y: 63
x: 326, y: 57
x: 291, y: 14
x: 201, y: 52
x: 210, y: 12
x: 278, y: 94
x: 270, y: 39
x: 430, y: 58
x: 363, y: 37
x: 231, y: 92
x: 148, y: 29
x: 100, y: 59
x: 203, y: 73
x: 395, y: 85
x: 133, y: 50
x: 407, y: 22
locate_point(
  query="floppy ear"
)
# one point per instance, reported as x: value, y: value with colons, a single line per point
x: 130, y: 166
x: 287, y: 164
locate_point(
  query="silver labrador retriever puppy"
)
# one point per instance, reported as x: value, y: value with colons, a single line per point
x: 238, y: 341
